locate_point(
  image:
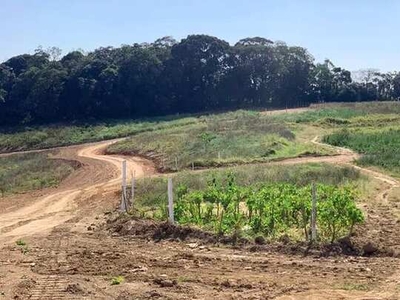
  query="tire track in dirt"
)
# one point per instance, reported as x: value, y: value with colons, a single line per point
x: 55, y: 217
x: 57, y: 208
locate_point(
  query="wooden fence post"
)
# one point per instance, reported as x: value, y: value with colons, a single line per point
x: 170, y: 201
x: 123, y: 206
x: 133, y: 188
x: 314, y: 213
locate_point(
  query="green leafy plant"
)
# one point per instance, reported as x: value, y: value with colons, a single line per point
x: 271, y: 210
x: 117, y: 280
x: 23, y: 246
x: 20, y: 243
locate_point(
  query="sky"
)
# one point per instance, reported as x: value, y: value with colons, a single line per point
x: 354, y: 34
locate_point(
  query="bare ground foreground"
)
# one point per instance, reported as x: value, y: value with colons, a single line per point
x: 70, y: 255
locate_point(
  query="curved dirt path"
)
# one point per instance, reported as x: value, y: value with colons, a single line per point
x: 55, y: 216
x: 61, y: 205
x: 102, y: 172
x: 351, y: 156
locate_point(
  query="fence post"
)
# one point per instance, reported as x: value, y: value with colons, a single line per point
x: 314, y: 213
x: 133, y: 187
x: 219, y: 155
x: 123, y: 206
x: 192, y: 166
x: 170, y: 201
x: 176, y: 163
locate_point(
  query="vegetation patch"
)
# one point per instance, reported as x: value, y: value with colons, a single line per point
x: 329, y: 115
x: 379, y: 113
x: 23, y: 246
x: 117, y: 280
x: 24, y: 172
x: 381, y: 148
x: 271, y: 210
x: 218, y: 140
x: 43, y: 137
x: 200, y: 197
x: 365, y: 108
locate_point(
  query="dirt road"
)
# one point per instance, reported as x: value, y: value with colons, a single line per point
x: 45, y: 213
x: 65, y: 259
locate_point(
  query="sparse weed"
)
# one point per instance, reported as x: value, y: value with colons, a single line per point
x: 20, y: 243
x: 117, y: 280
x: 23, y: 246
x: 354, y: 287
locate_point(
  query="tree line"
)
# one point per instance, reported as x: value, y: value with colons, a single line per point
x: 199, y: 73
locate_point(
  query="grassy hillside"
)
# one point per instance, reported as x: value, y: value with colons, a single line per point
x: 372, y: 129
x: 216, y: 140
x: 381, y: 148
x: 240, y: 137
x: 42, y: 137
x: 24, y: 172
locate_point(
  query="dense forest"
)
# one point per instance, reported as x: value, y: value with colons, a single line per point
x: 199, y: 73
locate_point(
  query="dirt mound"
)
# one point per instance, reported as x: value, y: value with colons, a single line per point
x: 23, y: 288
x: 74, y: 288
x: 158, y: 231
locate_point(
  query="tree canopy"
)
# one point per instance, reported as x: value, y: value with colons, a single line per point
x: 199, y: 73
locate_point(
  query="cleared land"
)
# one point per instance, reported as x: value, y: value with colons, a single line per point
x: 57, y: 244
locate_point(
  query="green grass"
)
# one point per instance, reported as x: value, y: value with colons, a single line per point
x: 43, y: 137
x: 381, y: 148
x: 377, y: 107
x: 370, y: 128
x: 344, y: 113
x: 151, y: 193
x: 218, y: 140
x: 24, y: 172
x: 318, y: 115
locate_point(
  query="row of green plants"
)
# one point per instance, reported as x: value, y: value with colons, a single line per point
x: 270, y: 210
